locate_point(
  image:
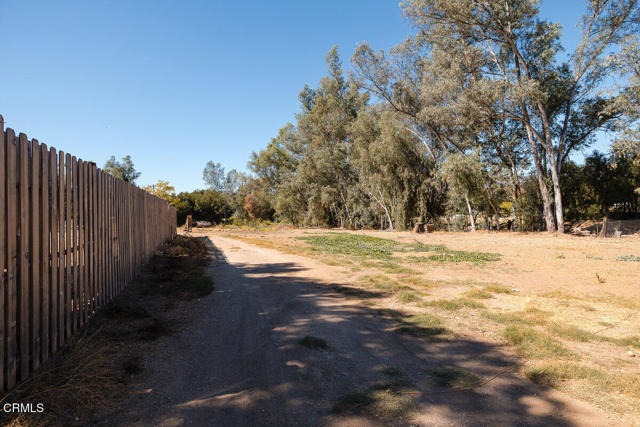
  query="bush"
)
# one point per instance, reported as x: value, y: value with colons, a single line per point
x: 258, y: 206
x: 204, y: 205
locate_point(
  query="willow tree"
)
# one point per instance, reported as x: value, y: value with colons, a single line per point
x: 626, y: 64
x: 392, y: 169
x: 430, y: 88
x: 324, y: 172
x: 557, y: 104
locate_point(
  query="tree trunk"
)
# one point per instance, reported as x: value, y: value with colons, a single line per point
x: 544, y: 192
x: 383, y: 205
x: 557, y: 196
x: 473, y: 221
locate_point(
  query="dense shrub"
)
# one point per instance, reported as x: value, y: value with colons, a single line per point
x: 204, y: 205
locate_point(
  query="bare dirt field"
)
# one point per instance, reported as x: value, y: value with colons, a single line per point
x: 317, y: 327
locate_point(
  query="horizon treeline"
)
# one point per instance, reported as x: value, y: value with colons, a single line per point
x: 471, y: 119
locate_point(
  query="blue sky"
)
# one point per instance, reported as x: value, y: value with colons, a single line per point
x: 177, y: 83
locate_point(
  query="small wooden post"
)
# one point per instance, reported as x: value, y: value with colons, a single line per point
x: 603, y: 232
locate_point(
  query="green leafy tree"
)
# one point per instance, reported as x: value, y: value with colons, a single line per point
x: 393, y: 171
x: 124, y: 170
x: 505, y: 58
x: 162, y: 189
x: 206, y: 205
x: 213, y: 176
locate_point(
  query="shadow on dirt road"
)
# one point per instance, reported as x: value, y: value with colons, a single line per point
x: 239, y: 362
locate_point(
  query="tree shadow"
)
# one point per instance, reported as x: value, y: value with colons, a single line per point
x: 241, y: 362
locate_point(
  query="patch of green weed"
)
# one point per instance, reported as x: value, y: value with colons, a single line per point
x: 454, y: 377
x: 453, y: 304
x: 533, y: 344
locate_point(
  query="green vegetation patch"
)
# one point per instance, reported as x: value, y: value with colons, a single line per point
x: 499, y: 289
x: 556, y: 372
x: 379, y: 248
x: 425, y: 247
x: 529, y: 316
x: 422, y: 325
x: 464, y: 256
x: 573, y: 333
x: 353, y: 244
x: 628, y: 258
x: 387, y: 400
x: 478, y: 294
x: 408, y: 297
x: 394, y: 268
x: 533, y: 344
x: 569, y: 332
x: 453, y: 304
x: 454, y: 377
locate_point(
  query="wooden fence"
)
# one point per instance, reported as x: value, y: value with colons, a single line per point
x: 71, y: 236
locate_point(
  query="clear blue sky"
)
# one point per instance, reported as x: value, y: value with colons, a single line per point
x: 177, y: 83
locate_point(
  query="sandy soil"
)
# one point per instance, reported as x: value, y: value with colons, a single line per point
x: 536, y: 262
x: 236, y: 360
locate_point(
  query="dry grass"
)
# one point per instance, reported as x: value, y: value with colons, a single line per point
x: 533, y: 344
x: 387, y: 400
x: 89, y: 376
x: 408, y: 297
x: 478, y: 294
x: 615, y: 392
x: 454, y: 377
x: 422, y: 325
x: 529, y: 316
x: 453, y: 304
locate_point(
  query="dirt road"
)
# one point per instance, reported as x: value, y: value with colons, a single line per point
x: 236, y: 360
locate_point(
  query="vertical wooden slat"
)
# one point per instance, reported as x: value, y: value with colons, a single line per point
x: 36, y: 260
x: 114, y: 259
x: 123, y: 237
x: 75, y: 297
x: 3, y: 248
x: 62, y: 263
x: 11, y: 322
x: 94, y: 235
x: 98, y: 262
x: 110, y: 234
x: 102, y: 239
x: 24, y: 258
x: 45, y: 251
x: 55, y: 259
x: 68, y: 230
x: 120, y: 237
x: 80, y: 240
x: 88, y: 237
x: 116, y: 243
x: 87, y: 233
x: 112, y: 240
x: 107, y: 236
x: 85, y: 238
